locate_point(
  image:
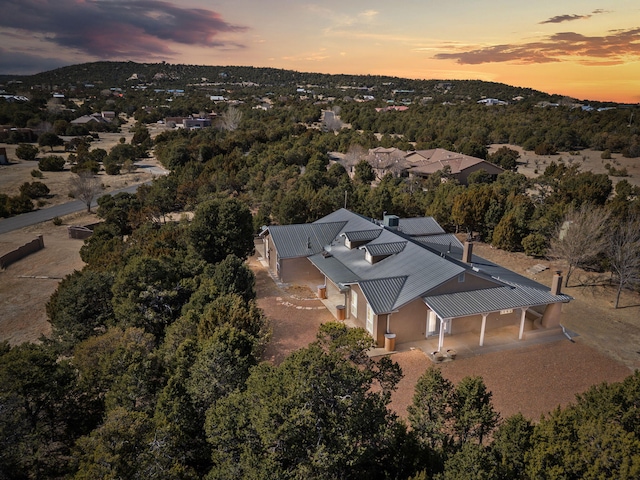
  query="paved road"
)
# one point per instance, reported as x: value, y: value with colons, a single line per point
x: 39, y: 216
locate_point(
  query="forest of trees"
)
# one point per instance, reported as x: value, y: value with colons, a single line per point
x: 154, y: 366
x: 154, y: 370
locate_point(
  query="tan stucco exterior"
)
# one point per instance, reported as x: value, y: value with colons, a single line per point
x: 470, y: 282
x: 410, y: 322
x: 551, y: 316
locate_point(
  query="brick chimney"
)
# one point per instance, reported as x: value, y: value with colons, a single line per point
x: 556, y: 283
x: 467, y: 252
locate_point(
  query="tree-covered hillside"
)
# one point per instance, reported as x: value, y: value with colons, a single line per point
x: 163, y: 75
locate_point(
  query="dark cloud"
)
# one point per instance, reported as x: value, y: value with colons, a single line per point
x: 117, y: 28
x: 571, y: 17
x: 565, y: 18
x: 615, y: 48
x: 14, y: 63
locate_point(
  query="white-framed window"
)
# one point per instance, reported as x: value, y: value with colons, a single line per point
x: 369, y: 319
x: 354, y: 303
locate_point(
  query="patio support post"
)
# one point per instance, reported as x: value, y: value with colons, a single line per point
x: 522, y: 317
x: 441, y: 336
x: 482, y: 328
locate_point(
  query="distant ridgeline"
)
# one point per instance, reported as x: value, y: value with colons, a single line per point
x: 105, y: 74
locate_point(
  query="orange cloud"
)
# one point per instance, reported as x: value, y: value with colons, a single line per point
x: 613, y: 49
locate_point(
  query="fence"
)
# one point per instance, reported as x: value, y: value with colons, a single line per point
x: 21, y: 252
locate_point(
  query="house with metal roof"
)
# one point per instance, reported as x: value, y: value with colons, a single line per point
x: 407, y: 278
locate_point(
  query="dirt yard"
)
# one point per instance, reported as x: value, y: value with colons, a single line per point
x: 532, y: 165
x: 12, y: 176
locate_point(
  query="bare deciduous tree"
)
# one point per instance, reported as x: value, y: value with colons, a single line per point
x: 355, y: 153
x: 580, y: 237
x: 85, y: 187
x: 330, y: 121
x: 624, y: 254
x: 230, y: 120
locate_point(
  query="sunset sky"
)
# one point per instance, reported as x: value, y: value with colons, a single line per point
x: 581, y: 48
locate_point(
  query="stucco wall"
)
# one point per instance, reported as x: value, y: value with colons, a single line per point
x: 299, y: 270
x: 463, y: 176
x: 494, y: 320
x: 552, y: 315
x: 410, y: 323
x: 471, y: 282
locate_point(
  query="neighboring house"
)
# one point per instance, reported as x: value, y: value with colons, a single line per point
x: 387, y: 160
x: 394, y: 108
x: 87, y: 119
x: 189, y: 123
x: 14, y: 98
x: 423, y: 163
x: 492, y: 101
x: 195, y: 123
x: 174, y: 122
x: 407, y: 277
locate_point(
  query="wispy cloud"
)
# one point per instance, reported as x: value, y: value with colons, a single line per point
x: 340, y: 22
x: 617, y: 47
x: 570, y: 17
x: 117, y: 28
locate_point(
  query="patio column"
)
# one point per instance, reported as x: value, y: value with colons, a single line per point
x: 441, y: 335
x: 522, y: 317
x: 482, y: 328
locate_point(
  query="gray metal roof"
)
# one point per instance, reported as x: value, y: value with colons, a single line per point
x: 423, y: 269
x: 444, y: 243
x: 382, y: 293
x: 419, y: 226
x: 486, y: 300
x: 332, y: 268
x: 363, y: 235
x: 302, y: 240
x: 382, y: 249
x: 414, y: 266
x: 498, y: 272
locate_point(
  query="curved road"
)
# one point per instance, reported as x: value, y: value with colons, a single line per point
x: 38, y: 216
